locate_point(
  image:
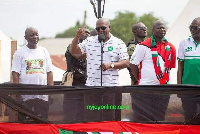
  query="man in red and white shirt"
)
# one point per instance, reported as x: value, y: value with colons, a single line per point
x: 156, y: 56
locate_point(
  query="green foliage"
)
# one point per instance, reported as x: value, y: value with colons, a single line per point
x: 71, y: 32
x: 121, y: 25
x: 148, y: 20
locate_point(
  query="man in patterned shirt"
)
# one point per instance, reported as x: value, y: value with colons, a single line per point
x: 114, y: 55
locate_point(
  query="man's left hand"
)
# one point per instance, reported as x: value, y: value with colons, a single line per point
x: 105, y: 66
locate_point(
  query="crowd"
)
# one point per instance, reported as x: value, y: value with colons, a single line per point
x: 95, y: 57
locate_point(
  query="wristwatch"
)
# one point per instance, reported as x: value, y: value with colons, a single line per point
x: 112, y: 65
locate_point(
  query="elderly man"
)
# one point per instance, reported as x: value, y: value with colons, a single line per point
x: 156, y: 56
x: 32, y: 65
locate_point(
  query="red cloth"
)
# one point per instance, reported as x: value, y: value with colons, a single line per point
x: 161, y: 51
x: 109, y: 126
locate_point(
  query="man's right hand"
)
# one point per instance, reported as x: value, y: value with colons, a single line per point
x: 80, y: 32
x: 74, y: 48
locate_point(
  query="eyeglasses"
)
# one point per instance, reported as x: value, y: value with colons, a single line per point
x: 194, y: 28
x: 142, y: 28
x: 102, y: 28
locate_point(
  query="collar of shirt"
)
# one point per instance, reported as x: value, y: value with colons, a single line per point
x: 161, y: 48
x: 110, y: 40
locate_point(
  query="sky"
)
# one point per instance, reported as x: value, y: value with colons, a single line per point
x: 50, y: 17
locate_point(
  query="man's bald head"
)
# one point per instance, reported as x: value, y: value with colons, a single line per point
x: 195, y: 29
x: 103, y: 20
x: 32, y: 37
x: 197, y: 20
x: 159, y: 30
x: 139, y: 31
x: 29, y: 29
x: 157, y: 23
x: 136, y: 25
x: 103, y: 27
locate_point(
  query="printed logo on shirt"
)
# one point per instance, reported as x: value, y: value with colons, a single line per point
x: 110, y: 48
x: 188, y: 49
x: 34, y: 66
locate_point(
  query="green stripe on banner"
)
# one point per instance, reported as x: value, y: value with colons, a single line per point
x: 62, y: 131
x: 95, y: 133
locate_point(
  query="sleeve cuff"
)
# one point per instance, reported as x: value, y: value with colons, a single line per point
x: 180, y: 59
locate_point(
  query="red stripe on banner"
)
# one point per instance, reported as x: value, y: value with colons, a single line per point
x: 166, y: 132
x: 109, y: 126
x: 17, y: 128
x: 118, y: 126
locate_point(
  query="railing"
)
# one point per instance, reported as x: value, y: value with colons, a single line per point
x: 96, y: 103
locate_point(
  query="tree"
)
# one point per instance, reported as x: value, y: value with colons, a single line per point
x: 148, y: 20
x: 71, y: 32
x: 121, y: 25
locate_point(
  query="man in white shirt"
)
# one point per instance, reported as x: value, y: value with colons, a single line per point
x: 114, y: 55
x: 32, y: 65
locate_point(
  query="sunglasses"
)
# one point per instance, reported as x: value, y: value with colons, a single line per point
x: 142, y: 28
x: 102, y: 28
x: 194, y: 28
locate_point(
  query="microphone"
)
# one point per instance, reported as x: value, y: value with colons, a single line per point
x: 101, y: 37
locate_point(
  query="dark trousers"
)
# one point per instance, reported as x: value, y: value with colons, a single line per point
x: 189, y: 104
x: 39, y: 106
x: 75, y: 107
x: 99, y: 100
x: 149, y: 107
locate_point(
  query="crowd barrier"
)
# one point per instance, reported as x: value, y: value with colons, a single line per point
x: 68, y: 104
